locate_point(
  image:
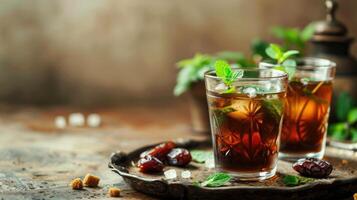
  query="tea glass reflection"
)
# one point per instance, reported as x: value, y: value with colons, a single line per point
x: 306, y: 109
x: 246, y: 123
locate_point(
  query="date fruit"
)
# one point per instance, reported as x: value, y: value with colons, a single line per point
x: 313, y: 167
x: 179, y: 157
x: 160, y: 151
x: 150, y: 164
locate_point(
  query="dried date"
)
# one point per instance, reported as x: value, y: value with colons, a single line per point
x: 179, y: 157
x: 313, y: 167
x: 150, y: 164
x: 160, y: 151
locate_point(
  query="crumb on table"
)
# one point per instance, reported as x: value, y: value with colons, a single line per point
x: 344, y: 162
x: 76, y: 184
x: 91, y: 180
x: 114, y: 192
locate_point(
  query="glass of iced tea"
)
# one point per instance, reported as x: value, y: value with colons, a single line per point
x: 246, y: 123
x: 307, y: 108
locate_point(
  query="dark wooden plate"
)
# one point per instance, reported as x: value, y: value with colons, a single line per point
x: 341, y: 184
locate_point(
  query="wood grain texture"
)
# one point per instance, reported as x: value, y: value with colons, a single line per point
x: 38, y: 162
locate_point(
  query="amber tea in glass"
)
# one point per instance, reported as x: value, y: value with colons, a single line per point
x: 307, y: 109
x: 246, y: 124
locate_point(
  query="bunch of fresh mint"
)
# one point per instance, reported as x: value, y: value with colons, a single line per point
x: 294, y: 37
x: 192, y: 70
x: 346, y: 114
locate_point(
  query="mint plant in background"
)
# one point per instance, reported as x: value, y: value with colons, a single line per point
x: 192, y: 69
x: 346, y: 114
x: 294, y: 38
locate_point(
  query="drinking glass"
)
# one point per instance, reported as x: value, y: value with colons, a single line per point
x: 246, y: 123
x: 307, y: 108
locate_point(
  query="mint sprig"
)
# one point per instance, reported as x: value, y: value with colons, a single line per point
x: 216, y: 180
x: 276, y: 53
x: 291, y: 180
x: 227, y: 75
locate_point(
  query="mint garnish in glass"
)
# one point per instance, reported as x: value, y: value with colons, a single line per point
x: 227, y: 75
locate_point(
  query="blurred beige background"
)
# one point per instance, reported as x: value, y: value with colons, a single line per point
x: 117, y: 51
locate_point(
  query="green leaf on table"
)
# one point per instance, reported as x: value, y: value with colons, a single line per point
x: 291, y: 180
x: 338, y: 131
x: 226, y: 74
x: 200, y: 156
x: 352, y: 116
x: 216, y: 180
x: 344, y: 104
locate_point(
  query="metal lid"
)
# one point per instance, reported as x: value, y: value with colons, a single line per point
x: 330, y: 30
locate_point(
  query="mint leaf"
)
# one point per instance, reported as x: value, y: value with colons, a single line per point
x: 287, y: 55
x: 274, y: 51
x: 184, y: 79
x: 226, y: 74
x: 274, y: 107
x: 291, y: 180
x: 220, y: 114
x: 192, y: 70
x: 307, y: 33
x: 352, y: 116
x: 223, y: 70
x: 200, y: 156
x: 216, y: 180
x: 289, y: 63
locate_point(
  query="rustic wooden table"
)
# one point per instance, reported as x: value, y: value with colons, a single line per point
x: 38, y: 161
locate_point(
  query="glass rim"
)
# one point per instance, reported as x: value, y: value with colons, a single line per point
x: 305, y: 63
x: 282, y: 75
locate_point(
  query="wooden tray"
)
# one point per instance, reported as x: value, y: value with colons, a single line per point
x: 341, y: 184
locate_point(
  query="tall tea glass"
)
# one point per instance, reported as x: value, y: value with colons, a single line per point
x: 246, y: 123
x: 307, y: 108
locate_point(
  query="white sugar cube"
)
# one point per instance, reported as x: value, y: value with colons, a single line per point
x: 93, y: 120
x: 186, y: 174
x: 170, y: 174
x: 76, y: 119
x: 60, y: 122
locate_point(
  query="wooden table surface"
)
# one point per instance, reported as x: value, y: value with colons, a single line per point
x: 38, y: 161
